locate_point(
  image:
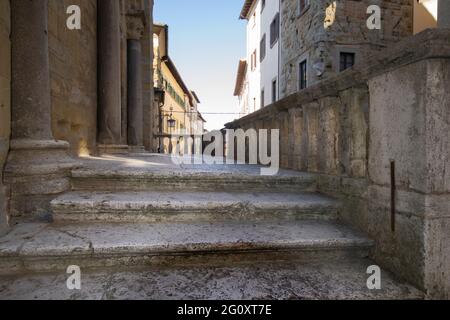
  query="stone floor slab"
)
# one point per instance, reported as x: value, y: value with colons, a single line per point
x: 344, y: 280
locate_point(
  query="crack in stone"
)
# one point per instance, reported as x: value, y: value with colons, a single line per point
x: 30, y: 238
x: 75, y: 236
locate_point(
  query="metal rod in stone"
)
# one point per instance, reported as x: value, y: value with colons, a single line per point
x: 393, y: 193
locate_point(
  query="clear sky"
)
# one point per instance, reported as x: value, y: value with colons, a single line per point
x: 206, y: 41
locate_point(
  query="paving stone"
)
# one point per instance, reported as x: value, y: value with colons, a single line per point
x: 320, y: 280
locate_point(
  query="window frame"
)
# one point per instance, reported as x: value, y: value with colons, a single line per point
x: 253, y: 60
x: 301, y: 10
x: 262, y: 48
x: 303, y: 80
x: 275, y: 22
x: 346, y: 54
x: 262, y: 102
x: 274, y: 90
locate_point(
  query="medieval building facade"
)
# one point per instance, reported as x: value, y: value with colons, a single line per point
x: 319, y: 39
x: 68, y: 93
x: 177, y: 105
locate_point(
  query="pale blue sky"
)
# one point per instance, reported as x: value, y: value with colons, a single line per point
x: 206, y: 41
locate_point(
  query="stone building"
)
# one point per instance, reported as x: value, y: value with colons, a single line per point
x: 263, y: 33
x: 69, y: 92
x: 318, y: 39
x: 322, y: 38
x: 177, y: 105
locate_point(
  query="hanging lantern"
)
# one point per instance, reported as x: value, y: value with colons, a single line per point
x: 171, y: 122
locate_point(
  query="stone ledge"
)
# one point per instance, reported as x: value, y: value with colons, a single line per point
x: 29, y: 144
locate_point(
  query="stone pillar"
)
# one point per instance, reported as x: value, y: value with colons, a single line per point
x: 444, y: 14
x: 38, y: 167
x: 109, y: 104
x: 409, y: 168
x: 135, y: 29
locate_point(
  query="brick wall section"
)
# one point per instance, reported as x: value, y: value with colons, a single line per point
x: 330, y: 26
x: 5, y: 103
x: 73, y: 73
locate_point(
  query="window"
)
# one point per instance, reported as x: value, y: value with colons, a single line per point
x: 302, y: 6
x: 275, y: 30
x: 347, y: 60
x: 262, y: 48
x: 302, y: 75
x: 263, y: 5
x: 253, y: 60
x: 254, y: 20
x: 262, y: 99
x: 274, y: 91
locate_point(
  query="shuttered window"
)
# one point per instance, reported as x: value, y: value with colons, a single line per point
x: 262, y: 48
x: 275, y: 30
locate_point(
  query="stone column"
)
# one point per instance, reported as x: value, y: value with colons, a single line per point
x: 444, y: 14
x: 38, y: 167
x: 109, y: 104
x: 135, y: 29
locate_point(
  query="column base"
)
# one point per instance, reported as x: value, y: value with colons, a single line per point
x: 112, y: 149
x: 136, y: 150
x: 36, y: 172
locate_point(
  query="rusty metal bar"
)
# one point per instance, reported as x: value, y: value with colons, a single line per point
x: 393, y: 194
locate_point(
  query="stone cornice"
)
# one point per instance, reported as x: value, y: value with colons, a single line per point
x: 135, y: 26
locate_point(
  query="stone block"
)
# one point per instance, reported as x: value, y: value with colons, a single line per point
x: 317, y: 33
x: 437, y: 256
x: 409, y: 124
x: 73, y: 65
x: 402, y: 250
x: 328, y: 135
x: 408, y: 120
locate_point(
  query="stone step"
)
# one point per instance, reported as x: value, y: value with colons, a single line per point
x: 346, y: 280
x: 83, y: 180
x: 191, y: 206
x: 45, y: 247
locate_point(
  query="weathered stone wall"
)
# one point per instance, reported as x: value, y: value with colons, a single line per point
x: 328, y: 27
x: 348, y: 129
x: 409, y: 124
x: 325, y: 132
x: 5, y: 103
x: 73, y: 74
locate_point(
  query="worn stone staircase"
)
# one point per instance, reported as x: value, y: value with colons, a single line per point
x: 149, y: 212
